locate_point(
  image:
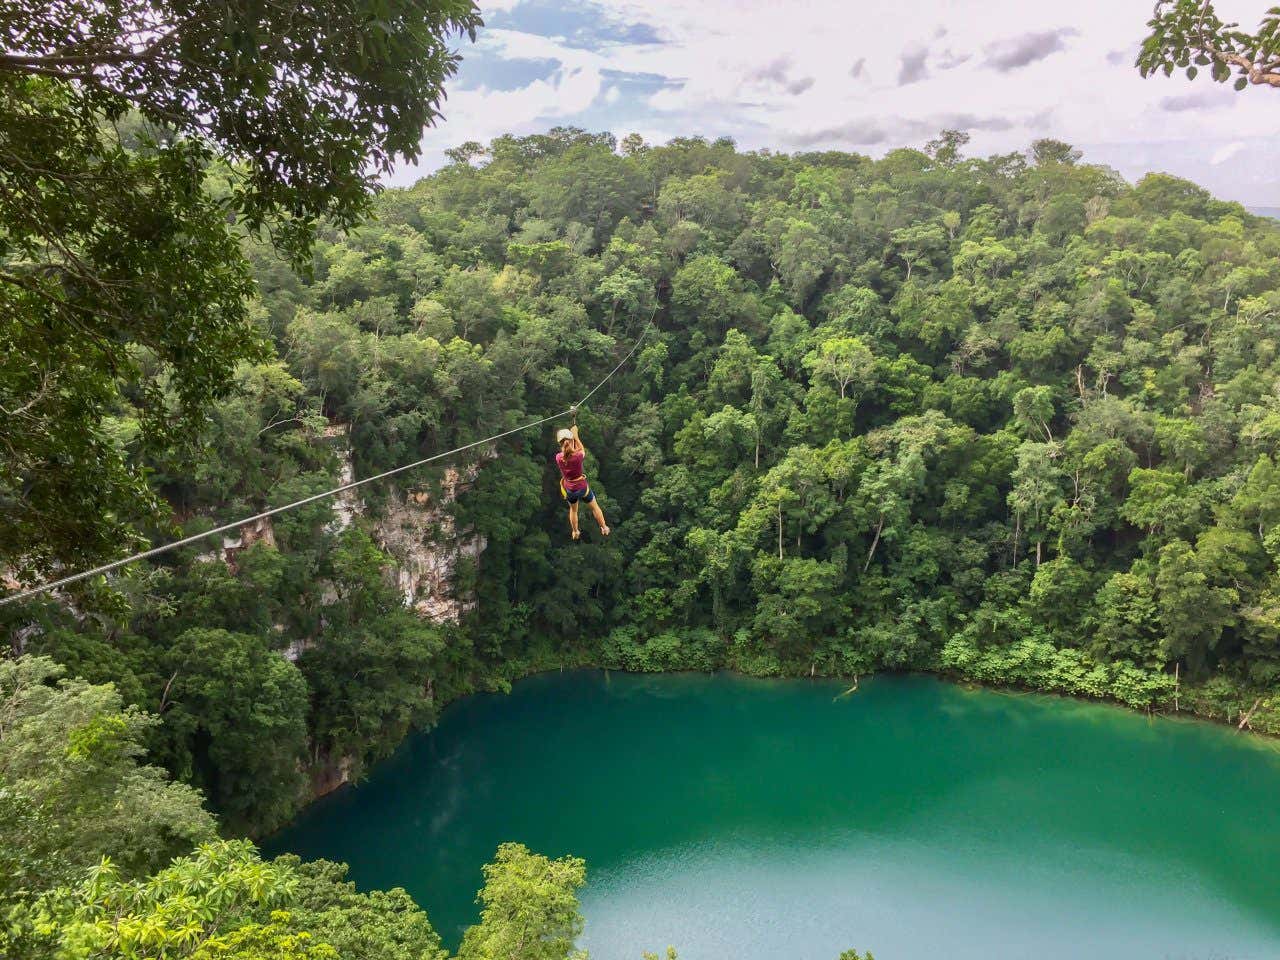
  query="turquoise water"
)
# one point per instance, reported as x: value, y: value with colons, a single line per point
x: 767, y: 820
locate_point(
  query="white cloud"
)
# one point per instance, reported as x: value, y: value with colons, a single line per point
x: 774, y: 74
x: 480, y: 113
x: 1225, y: 153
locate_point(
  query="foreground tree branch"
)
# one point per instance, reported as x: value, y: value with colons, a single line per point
x: 1188, y: 35
x: 140, y: 140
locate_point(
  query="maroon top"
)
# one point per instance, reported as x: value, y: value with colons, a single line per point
x: 571, y: 470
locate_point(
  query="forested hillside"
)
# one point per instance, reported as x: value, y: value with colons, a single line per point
x: 1010, y: 418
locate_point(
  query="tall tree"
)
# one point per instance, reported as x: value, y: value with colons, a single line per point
x: 133, y: 135
x: 529, y: 908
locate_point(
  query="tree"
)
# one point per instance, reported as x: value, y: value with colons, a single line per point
x: 586, y: 184
x: 367, y: 668
x: 302, y: 124
x: 529, y: 908
x: 71, y: 773
x: 1047, y: 152
x: 796, y: 601
x: 1124, y: 622
x: 768, y: 404
x: 802, y: 257
x: 1193, y: 611
x: 1158, y: 501
x: 730, y: 379
x: 122, y: 292
x: 1259, y: 499
x: 1033, y: 409
x: 133, y: 136
x: 235, y: 718
x: 946, y: 148
x: 1188, y: 35
x: 887, y: 489
x: 918, y: 244
x: 378, y: 925
x: 1037, y: 490
x: 846, y: 360
x: 1183, y: 442
x: 707, y: 295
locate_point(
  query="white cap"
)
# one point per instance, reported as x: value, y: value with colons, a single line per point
x: 564, y: 435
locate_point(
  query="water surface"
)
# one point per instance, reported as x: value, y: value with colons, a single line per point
x: 769, y: 820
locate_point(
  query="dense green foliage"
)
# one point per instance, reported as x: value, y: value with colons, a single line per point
x: 71, y: 787
x: 138, y: 140
x: 1008, y: 418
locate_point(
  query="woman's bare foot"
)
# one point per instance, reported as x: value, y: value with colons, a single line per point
x: 605, y: 529
x: 575, y: 534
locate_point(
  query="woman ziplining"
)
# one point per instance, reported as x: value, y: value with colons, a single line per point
x: 573, y: 482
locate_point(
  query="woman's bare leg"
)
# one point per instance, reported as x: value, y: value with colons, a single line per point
x: 599, y: 515
x: 573, y: 520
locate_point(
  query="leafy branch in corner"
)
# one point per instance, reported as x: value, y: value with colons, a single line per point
x: 1189, y: 35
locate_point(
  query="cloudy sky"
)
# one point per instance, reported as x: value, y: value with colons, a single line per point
x: 863, y: 76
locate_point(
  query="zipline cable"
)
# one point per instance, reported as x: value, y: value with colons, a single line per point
x: 164, y: 548
x: 635, y: 346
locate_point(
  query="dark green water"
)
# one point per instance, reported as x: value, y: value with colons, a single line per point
x: 744, y: 819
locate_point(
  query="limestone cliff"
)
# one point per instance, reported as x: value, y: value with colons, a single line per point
x: 419, y: 531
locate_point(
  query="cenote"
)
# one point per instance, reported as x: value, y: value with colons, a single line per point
x: 739, y: 818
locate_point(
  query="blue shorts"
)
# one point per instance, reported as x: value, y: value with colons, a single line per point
x: 574, y: 496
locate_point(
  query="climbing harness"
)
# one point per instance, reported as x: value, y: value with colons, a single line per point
x: 154, y: 551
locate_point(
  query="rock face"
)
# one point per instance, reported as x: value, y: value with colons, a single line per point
x: 260, y: 531
x: 418, y: 529
x: 330, y: 774
x: 347, y: 505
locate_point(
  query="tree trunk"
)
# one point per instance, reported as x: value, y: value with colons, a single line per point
x: 874, y: 543
x: 1037, y: 554
x: 1248, y: 715
x: 779, y: 531
x: 1017, y: 533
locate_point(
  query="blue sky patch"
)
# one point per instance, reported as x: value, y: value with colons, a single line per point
x: 482, y: 68
x: 639, y: 85
x: 590, y: 26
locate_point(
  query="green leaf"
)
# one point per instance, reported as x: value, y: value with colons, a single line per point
x: 1241, y: 83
